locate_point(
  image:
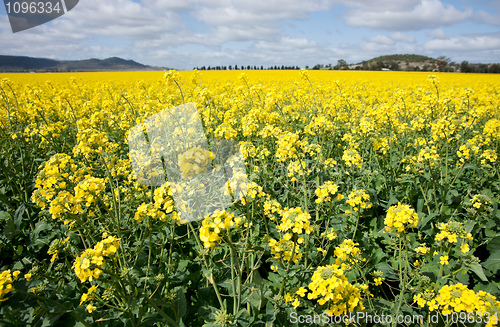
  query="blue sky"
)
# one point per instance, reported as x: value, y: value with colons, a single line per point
x: 184, y: 34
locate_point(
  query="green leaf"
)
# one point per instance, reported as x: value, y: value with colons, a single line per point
x: 463, y: 277
x: 469, y: 225
x: 388, y: 271
x: 18, y: 216
x: 270, y: 314
x: 473, y: 167
x: 39, y: 227
x: 478, y: 270
x: 275, y: 280
x: 493, y: 262
x: 425, y: 219
x: 420, y: 205
x: 4, y: 216
x: 9, y: 230
x: 493, y: 244
x: 256, y: 294
x: 181, y: 305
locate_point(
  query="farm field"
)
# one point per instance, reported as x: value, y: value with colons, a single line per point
x: 370, y: 198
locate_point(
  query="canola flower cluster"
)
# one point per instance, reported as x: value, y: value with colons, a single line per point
x: 326, y: 191
x: 330, y: 286
x: 194, y: 161
x: 163, y: 205
x: 65, y: 189
x: 6, y: 280
x: 459, y: 298
x: 89, y: 265
x: 400, y: 217
x: 451, y: 232
x: 216, y: 225
x: 294, y: 223
x: 358, y: 200
x: 347, y: 252
x: 295, y: 220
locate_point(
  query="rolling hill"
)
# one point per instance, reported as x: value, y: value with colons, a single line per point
x: 25, y: 64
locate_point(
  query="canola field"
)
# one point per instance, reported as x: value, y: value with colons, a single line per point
x: 371, y: 198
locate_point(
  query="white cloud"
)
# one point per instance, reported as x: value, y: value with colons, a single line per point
x: 380, y: 39
x: 437, y: 33
x: 487, y: 18
x: 403, y: 38
x: 466, y: 43
x: 391, y: 39
x: 422, y: 15
x: 121, y: 18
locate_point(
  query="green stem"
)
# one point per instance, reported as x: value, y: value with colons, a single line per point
x: 401, y: 281
x: 44, y: 299
x: 288, y: 268
x: 207, y: 266
x: 236, y: 280
x: 163, y: 314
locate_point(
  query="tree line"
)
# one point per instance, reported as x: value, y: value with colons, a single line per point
x: 441, y: 64
x: 248, y: 67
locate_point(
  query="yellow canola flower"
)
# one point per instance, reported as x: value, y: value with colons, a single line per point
x: 400, y: 217
x: 6, y: 280
x: 358, y: 199
x: 326, y: 191
x: 296, y: 221
x: 214, y: 226
x: 422, y: 249
x: 450, y: 232
x: 459, y: 298
x: 352, y: 158
x: 284, y: 249
x: 330, y: 286
x: 88, y: 266
x: 347, y: 251
x: 194, y: 161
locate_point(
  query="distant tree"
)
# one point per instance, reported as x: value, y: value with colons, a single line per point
x: 341, y: 64
x: 495, y: 69
x: 365, y: 65
x: 442, y: 62
x: 482, y: 68
x: 465, y: 67
x: 376, y: 65
x: 393, y: 65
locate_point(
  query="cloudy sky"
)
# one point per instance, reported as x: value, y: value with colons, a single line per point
x: 186, y: 33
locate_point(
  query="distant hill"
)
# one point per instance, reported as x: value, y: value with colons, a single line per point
x: 25, y: 64
x: 409, y: 62
x: 403, y: 57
